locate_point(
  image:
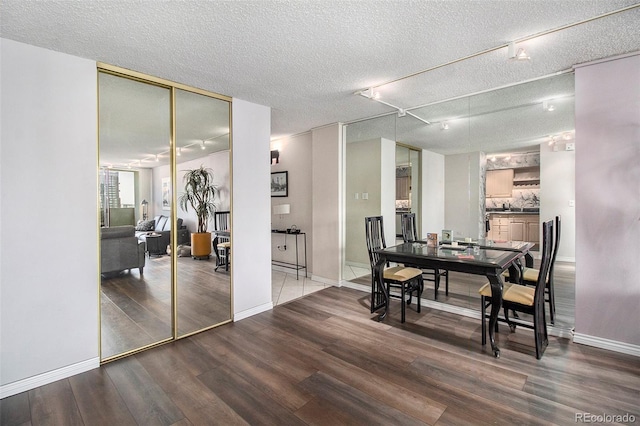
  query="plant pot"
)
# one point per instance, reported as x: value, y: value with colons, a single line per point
x: 201, y: 245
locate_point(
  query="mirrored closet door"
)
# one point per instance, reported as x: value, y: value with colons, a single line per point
x: 153, y: 289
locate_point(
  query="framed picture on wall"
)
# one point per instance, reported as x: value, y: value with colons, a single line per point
x: 280, y: 184
x: 166, y: 193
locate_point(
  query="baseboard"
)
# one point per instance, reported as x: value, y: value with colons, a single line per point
x: 610, y: 345
x: 49, y: 377
x: 358, y: 265
x: 324, y: 280
x: 355, y: 286
x: 253, y: 311
x: 288, y: 270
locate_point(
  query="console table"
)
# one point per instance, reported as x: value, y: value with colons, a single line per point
x: 297, y: 266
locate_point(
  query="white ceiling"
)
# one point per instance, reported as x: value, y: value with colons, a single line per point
x: 306, y: 59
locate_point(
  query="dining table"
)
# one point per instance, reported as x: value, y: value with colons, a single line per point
x: 488, y: 260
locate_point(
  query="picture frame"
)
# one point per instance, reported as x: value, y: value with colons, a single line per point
x: 280, y: 184
x: 166, y: 193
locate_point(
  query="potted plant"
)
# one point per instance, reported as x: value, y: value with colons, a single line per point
x: 199, y: 194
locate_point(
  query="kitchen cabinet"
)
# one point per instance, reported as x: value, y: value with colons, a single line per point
x: 514, y: 227
x: 500, y: 228
x: 403, y: 187
x: 527, y: 177
x: 499, y: 183
x: 517, y: 229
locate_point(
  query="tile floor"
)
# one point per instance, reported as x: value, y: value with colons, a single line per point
x: 285, y: 287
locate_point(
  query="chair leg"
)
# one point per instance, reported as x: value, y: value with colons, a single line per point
x: 552, y: 303
x: 512, y: 326
x: 418, y: 290
x: 402, y: 302
x: 446, y: 283
x: 436, y: 283
x: 484, y: 320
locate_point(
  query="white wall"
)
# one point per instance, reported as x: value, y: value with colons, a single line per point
x: 608, y: 201
x: 251, y: 206
x: 326, y: 157
x: 558, y: 184
x: 462, y: 194
x: 48, y: 217
x: 432, y: 193
x: 295, y: 158
x: 362, y: 176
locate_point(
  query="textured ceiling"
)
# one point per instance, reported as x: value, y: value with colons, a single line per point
x: 305, y: 59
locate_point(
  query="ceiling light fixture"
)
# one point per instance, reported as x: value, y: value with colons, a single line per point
x: 517, y: 55
x: 370, y: 93
x: 157, y: 158
x: 444, y: 125
x: 179, y: 153
x: 203, y: 147
x: 547, y: 106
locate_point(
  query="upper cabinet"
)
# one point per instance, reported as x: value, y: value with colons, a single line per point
x: 527, y: 177
x: 499, y: 183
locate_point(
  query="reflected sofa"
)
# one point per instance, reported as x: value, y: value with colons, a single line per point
x: 120, y: 249
x: 160, y: 225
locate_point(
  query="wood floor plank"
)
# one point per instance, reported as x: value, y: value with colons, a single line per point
x: 98, y: 400
x: 172, y: 370
x: 54, y: 404
x: 15, y: 410
x: 416, y: 405
x: 146, y: 400
x: 351, y: 400
x: 253, y: 405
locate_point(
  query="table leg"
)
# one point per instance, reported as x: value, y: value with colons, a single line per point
x: 496, y: 304
x: 528, y: 260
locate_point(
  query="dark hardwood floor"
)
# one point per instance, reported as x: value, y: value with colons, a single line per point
x: 323, y: 359
x: 136, y: 309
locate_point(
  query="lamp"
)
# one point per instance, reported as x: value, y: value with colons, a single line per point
x: 275, y: 154
x: 282, y: 209
x: 144, y: 204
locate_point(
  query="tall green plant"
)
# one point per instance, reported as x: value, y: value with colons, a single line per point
x: 200, y: 194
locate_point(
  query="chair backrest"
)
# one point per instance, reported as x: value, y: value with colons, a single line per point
x: 409, y: 232
x: 556, y: 244
x: 545, y: 263
x: 221, y: 220
x: 374, y: 231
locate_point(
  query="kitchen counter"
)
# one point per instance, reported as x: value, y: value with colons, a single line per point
x: 512, y: 212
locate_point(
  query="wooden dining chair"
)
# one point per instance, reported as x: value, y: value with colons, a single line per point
x: 409, y: 235
x: 408, y: 280
x: 530, y: 275
x: 525, y: 299
x: 223, y: 244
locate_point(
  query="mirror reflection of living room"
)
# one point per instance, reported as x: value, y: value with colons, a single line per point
x: 144, y: 236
